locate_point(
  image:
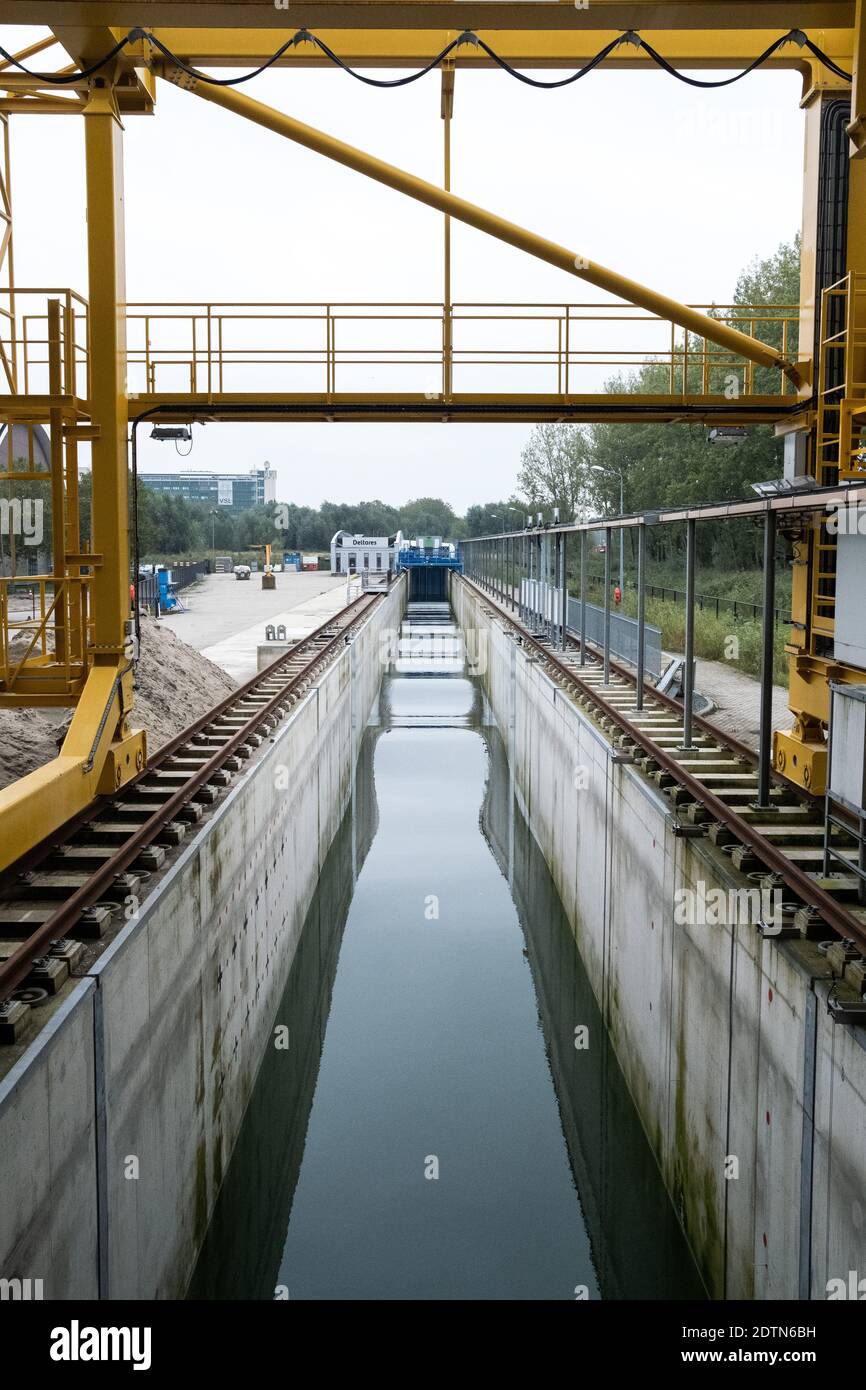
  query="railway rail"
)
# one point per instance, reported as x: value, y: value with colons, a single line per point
x: 58, y: 903
x: 713, y: 788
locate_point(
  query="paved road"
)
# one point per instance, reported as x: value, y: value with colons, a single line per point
x: 226, y: 619
x: 736, y: 698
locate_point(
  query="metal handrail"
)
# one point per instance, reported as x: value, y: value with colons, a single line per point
x: 207, y: 359
x: 196, y: 338
x: 66, y: 608
x: 25, y: 346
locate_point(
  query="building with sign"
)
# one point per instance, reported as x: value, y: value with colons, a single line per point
x: 363, y: 554
x: 236, y: 491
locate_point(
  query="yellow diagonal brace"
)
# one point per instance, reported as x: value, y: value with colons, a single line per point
x: 38, y: 804
x: 570, y: 261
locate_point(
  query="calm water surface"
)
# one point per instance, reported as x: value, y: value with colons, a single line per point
x: 432, y: 1132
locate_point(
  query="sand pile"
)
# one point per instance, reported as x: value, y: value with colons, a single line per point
x: 174, y: 685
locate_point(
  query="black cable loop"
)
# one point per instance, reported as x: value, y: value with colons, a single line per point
x: 467, y: 37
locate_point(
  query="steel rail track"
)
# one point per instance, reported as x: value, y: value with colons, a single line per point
x: 209, y: 748
x: 774, y: 859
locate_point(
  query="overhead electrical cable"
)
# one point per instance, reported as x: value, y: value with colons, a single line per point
x: 631, y: 37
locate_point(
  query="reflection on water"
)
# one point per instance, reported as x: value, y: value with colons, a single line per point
x: 432, y: 1132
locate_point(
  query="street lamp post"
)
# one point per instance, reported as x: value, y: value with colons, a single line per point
x: 213, y: 516
x: 597, y: 468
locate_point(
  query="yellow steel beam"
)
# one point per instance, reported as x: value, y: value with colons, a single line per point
x: 445, y: 14
x: 537, y: 47
x: 38, y: 804
x: 39, y: 106
x: 572, y: 262
x: 88, y: 41
x: 524, y: 407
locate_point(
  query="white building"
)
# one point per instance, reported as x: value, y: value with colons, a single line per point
x: 363, y: 554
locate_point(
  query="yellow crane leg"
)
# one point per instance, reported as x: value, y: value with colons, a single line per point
x: 93, y: 760
x: 572, y: 262
x: 99, y: 752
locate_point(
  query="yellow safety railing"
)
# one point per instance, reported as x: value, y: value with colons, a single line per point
x: 44, y: 633
x: 428, y: 348
x: 558, y: 349
x: 24, y: 342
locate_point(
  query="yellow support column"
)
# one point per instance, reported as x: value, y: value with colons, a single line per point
x: 107, y: 332
x: 99, y: 752
x: 801, y: 755
x: 96, y: 731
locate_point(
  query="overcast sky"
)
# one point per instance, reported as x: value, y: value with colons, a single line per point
x: 675, y: 187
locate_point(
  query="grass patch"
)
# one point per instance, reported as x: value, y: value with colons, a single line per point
x: 719, y: 639
x: 737, y: 641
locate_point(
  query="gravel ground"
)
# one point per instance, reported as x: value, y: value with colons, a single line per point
x: 174, y: 685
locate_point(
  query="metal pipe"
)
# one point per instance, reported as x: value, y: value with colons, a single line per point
x: 641, y: 614
x: 689, y: 673
x: 583, y: 598
x: 521, y: 567
x: 828, y: 829
x: 563, y: 591
x: 607, y: 540
x: 765, y: 726
x: 230, y: 99
x: 549, y: 562
x: 554, y: 588
x: 530, y: 564
x: 505, y: 570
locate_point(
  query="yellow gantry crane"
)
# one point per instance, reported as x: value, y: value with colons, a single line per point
x: 78, y: 649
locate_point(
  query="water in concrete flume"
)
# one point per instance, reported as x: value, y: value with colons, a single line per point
x: 445, y: 1118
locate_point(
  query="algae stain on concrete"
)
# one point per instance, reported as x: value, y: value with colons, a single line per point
x: 694, y: 1186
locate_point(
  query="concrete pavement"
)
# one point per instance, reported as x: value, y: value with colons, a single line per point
x: 226, y: 619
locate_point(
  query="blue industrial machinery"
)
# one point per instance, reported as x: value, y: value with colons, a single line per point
x: 168, y: 597
x: 427, y: 565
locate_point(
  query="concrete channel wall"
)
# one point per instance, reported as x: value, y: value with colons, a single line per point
x: 117, y: 1125
x: 723, y: 1035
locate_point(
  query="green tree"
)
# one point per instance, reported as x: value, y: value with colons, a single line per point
x: 555, y: 470
x: 488, y: 517
x: 674, y: 465
x: 430, y: 516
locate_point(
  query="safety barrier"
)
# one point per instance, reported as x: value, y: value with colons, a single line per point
x: 180, y: 577
x: 544, y: 602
